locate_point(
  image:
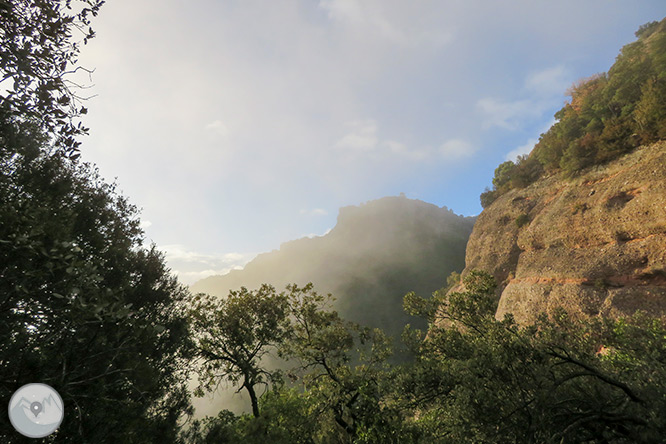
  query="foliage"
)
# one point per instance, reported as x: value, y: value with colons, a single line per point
x: 338, y: 371
x: 510, y: 175
x: 488, y: 197
x: 522, y: 220
x: 608, y: 115
x: 232, y: 335
x: 474, y: 379
x: 37, y: 54
x: 85, y: 307
x: 478, y: 379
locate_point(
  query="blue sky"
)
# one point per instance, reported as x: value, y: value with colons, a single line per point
x: 238, y: 125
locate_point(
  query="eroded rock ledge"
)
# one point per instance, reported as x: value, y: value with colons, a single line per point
x: 593, y: 245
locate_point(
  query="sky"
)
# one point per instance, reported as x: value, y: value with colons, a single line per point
x: 237, y: 125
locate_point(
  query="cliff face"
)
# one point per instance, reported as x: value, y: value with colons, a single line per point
x: 593, y: 245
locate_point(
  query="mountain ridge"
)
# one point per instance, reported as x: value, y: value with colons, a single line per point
x: 376, y: 253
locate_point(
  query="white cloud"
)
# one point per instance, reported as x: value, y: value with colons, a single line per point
x: 548, y: 82
x: 522, y: 149
x: 543, y: 89
x: 190, y: 277
x: 363, y: 136
x: 527, y: 147
x: 401, y: 150
x: 395, y: 23
x: 456, y: 148
x: 313, y: 235
x: 505, y: 114
x: 314, y: 212
x: 218, y: 127
x: 191, y: 265
x: 145, y: 224
x: 281, y: 80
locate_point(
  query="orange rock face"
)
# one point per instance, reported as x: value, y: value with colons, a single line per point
x: 593, y: 245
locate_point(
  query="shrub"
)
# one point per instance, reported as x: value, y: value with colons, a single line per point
x: 522, y: 220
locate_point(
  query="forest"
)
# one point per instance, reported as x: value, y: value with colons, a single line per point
x: 89, y: 309
x: 608, y: 115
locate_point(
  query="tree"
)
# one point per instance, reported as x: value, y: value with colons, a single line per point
x: 38, y: 52
x: 337, y: 378
x: 232, y: 335
x: 84, y: 305
x: 503, y: 174
x: 343, y: 367
x: 479, y: 379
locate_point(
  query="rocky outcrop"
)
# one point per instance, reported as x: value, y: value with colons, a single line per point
x: 593, y: 245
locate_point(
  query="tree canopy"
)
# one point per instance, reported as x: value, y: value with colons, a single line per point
x: 608, y: 115
x: 85, y: 306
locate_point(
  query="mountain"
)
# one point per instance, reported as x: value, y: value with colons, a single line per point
x: 375, y: 254
x: 580, y: 223
x: 594, y: 244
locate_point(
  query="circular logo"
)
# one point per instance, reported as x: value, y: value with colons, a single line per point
x: 36, y: 410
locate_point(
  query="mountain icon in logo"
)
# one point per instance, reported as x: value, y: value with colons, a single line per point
x: 36, y: 410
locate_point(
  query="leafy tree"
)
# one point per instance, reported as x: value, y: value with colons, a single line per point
x: 479, y: 379
x: 488, y: 197
x: 609, y: 115
x: 503, y: 174
x: 337, y: 376
x: 343, y: 363
x: 647, y: 29
x: 37, y: 53
x: 85, y: 307
x: 232, y: 335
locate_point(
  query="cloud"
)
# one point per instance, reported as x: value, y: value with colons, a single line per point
x: 456, y: 148
x: 314, y: 212
x: 218, y: 127
x: 394, y: 22
x: 191, y: 266
x: 282, y: 80
x: 506, y: 114
x: 363, y: 136
x: 527, y: 147
x: 548, y: 82
x: 542, y: 87
x: 521, y: 150
x: 145, y: 224
x: 312, y: 235
x: 366, y: 138
x: 401, y: 150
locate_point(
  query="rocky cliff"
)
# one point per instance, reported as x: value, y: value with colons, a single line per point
x: 594, y: 245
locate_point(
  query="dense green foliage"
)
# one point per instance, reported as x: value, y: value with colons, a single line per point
x: 36, y: 54
x: 335, y: 370
x: 84, y: 306
x: 478, y: 379
x: 475, y: 378
x: 608, y: 115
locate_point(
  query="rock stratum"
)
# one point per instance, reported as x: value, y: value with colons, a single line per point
x: 593, y: 245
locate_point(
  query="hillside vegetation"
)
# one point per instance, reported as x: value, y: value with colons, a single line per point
x: 88, y: 309
x: 376, y: 253
x: 608, y: 115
